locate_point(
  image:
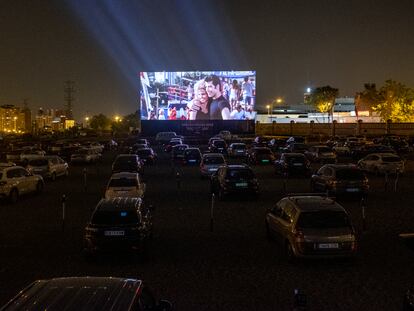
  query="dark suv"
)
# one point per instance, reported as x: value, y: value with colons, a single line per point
x: 118, y: 223
x: 233, y: 178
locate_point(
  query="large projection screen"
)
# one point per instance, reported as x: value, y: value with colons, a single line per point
x: 198, y: 95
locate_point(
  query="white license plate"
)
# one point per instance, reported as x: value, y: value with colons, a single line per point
x: 212, y: 169
x: 241, y: 184
x: 352, y: 190
x: 191, y: 161
x: 328, y: 245
x: 114, y: 233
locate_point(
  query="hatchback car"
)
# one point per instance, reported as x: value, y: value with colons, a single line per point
x: 292, y: 164
x: 210, y: 162
x: 127, y: 163
x: 16, y: 180
x: 118, y: 224
x: 381, y: 163
x: 237, y: 150
x: 48, y: 167
x: 340, y: 179
x: 125, y: 184
x: 87, y: 293
x: 192, y: 156
x: 237, y: 179
x: 311, y: 227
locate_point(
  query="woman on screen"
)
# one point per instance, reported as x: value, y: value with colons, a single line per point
x: 199, y: 106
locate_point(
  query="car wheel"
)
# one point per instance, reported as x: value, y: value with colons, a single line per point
x: 54, y: 176
x: 39, y: 187
x: 14, y: 196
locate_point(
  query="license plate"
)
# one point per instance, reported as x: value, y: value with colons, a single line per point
x: 191, y: 161
x: 352, y: 190
x: 114, y: 233
x: 265, y: 161
x: 212, y: 169
x: 241, y: 184
x: 328, y: 245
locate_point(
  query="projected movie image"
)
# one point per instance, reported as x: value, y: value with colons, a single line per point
x: 200, y: 95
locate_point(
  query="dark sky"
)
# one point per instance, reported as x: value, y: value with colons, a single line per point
x: 291, y: 44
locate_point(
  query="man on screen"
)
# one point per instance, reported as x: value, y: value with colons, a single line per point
x: 219, y: 107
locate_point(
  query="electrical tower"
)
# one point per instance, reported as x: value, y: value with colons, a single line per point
x: 69, y: 98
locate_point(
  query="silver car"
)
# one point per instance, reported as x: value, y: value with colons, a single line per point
x: 50, y: 166
x: 311, y: 227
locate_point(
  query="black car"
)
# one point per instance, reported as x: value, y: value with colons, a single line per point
x: 218, y: 146
x: 118, y: 224
x: 239, y: 179
x: 192, y: 156
x: 260, y: 155
x: 147, y: 156
x: 177, y: 153
x: 292, y: 164
x: 340, y: 179
x: 87, y: 293
x: 127, y: 163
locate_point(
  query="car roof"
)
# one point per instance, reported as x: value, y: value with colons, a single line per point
x: 213, y: 155
x: 77, y: 293
x: 314, y: 203
x: 118, y: 203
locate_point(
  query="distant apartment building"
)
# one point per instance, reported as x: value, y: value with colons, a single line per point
x: 51, y: 120
x: 14, y: 119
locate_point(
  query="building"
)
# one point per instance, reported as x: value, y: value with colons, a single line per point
x: 14, y: 119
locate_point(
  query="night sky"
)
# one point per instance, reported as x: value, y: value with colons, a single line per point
x: 102, y: 45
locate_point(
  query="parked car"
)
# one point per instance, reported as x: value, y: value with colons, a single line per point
x: 260, y: 155
x: 127, y: 163
x: 381, y: 163
x: 359, y: 152
x: 340, y: 179
x: 237, y: 150
x: 341, y: 149
x: 85, y: 155
x: 296, y: 148
x: 231, y: 178
x: 311, y: 227
x: 147, y: 156
x: 218, y: 146
x: 125, y: 184
x: 192, y: 156
x: 29, y: 154
x: 165, y: 137
x: 292, y: 164
x: 50, y: 166
x: 172, y: 143
x: 118, y: 224
x: 87, y: 293
x: 321, y: 154
x: 16, y: 181
x: 177, y: 153
x: 210, y: 162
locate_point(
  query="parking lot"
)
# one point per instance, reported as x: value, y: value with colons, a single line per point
x: 231, y: 267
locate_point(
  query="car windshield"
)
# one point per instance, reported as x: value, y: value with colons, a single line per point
x: 38, y: 162
x: 123, y: 182
x: 213, y: 160
x: 240, y: 174
x: 391, y: 159
x: 323, y: 219
x: 349, y: 174
x: 114, y: 217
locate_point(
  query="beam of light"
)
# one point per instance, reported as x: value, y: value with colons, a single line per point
x: 151, y: 35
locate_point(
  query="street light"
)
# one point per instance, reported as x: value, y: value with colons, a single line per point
x: 268, y: 109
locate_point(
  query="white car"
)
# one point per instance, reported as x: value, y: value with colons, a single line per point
x: 125, y: 184
x: 16, y: 180
x: 210, y: 162
x: 49, y: 166
x: 30, y: 154
x: 381, y: 163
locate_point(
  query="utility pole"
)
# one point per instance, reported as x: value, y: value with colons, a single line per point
x: 69, y: 98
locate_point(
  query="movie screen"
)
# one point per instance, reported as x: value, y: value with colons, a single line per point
x: 199, y: 95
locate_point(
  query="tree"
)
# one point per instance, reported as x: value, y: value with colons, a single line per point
x: 394, y: 102
x: 100, y: 122
x: 323, y: 98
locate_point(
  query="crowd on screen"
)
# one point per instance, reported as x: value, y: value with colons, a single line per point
x: 212, y: 98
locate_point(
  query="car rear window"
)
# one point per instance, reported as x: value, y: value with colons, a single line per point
x: 323, y: 219
x: 348, y: 174
x: 38, y: 162
x: 114, y: 217
x: 123, y: 182
x: 391, y: 159
x: 213, y: 160
x: 237, y: 174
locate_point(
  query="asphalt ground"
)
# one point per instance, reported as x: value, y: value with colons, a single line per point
x: 232, y: 268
